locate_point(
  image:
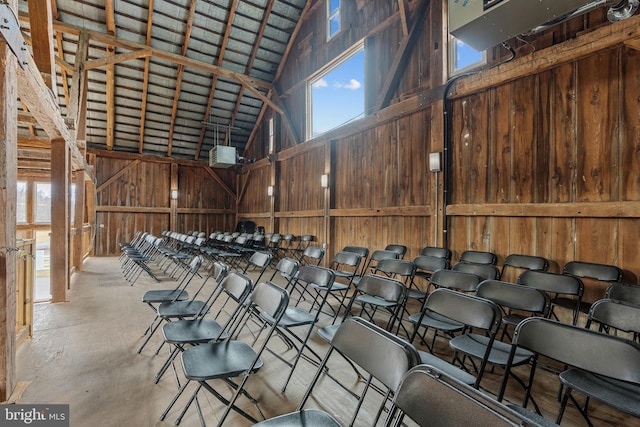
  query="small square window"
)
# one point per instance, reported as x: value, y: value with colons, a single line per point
x: 333, y: 18
x: 463, y: 57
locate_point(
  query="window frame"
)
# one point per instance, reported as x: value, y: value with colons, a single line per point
x: 331, y: 16
x: 453, y: 50
x: 327, y: 69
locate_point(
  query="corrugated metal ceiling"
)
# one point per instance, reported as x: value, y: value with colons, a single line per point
x: 158, y: 106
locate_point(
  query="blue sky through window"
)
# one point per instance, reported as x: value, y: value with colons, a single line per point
x: 337, y: 97
x: 465, y: 56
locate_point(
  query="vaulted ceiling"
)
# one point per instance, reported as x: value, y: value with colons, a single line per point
x: 167, y: 77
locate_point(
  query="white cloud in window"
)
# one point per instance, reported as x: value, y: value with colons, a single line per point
x: 352, y: 85
x: 320, y: 83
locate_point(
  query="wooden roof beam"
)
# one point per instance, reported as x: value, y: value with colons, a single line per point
x: 403, y: 53
x: 214, y: 80
x: 111, y: 73
x: 176, y: 95
x: 34, y: 92
x: 145, y: 81
x: 65, y: 68
x: 41, y: 26
x: 294, y: 34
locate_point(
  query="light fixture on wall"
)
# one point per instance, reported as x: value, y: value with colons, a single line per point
x: 434, y: 162
x: 174, y: 194
x: 324, y: 180
x: 270, y: 191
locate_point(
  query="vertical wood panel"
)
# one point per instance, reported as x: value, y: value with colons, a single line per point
x: 500, y: 146
x: 563, y: 136
x: 597, y: 139
x: 523, y: 140
x: 630, y: 128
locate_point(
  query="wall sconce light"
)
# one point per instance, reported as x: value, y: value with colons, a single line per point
x: 270, y: 191
x: 324, y: 180
x: 434, y: 162
x: 174, y: 194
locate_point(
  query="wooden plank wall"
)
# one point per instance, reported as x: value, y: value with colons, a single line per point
x: 139, y: 200
x: 548, y: 165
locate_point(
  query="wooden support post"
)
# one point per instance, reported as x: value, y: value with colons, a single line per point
x: 59, y: 219
x: 78, y: 223
x: 173, y: 220
x: 90, y: 199
x: 8, y: 177
x: 328, y: 156
x: 273, y: 205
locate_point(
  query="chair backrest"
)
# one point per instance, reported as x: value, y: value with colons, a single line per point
x: 350, y: 260
x: 218, y: 271
x: 382, y: 354
x: 552, y: 282
x: 437, y: 252
x: 360, y: 250
x: 514, y: 264
x: 486, y: 271
x: 274, y: 240
x: 590, y: 270
x: 260, y: 259
x: 382, y: 287
x: 458, y: 280
x: 470, y: 310
x: 479, y: 257
x: 320, y: 276
x: 287, y: 267
x: 398, y: 268
x: 401, y: 250
x: 195, y: 264
x: 380, y: 254
x: 515, y: 297
x: 624, y: 292
x: 430, y: 263
x: 432, y: 399
x: 313, y: 254
x: 529, y: 262
x: 270, y: 299
x: 581, y: 348
x: 237, y: 286
x: 377, y: 256
x: 619, y: 315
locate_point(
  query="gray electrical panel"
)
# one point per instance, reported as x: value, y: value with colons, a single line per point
x: 482, y: 24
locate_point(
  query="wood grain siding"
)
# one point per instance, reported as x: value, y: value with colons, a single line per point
x: 547, y: 164
x: 139, y: 200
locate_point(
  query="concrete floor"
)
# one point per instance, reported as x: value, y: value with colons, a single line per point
x: 84, y: 353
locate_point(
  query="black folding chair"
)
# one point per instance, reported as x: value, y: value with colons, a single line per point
x: 603, y: 367
x: 232, y: 359
x: 384, y: 356
x: 433, y: 399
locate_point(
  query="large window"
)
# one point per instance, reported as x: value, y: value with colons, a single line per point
x: 333, y: 18
x: 336, y: 96
x: 42, y: 212
x: 463, y: 57
x: 21, y: 205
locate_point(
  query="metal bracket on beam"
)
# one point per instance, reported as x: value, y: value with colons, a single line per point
x: 10, y: 31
